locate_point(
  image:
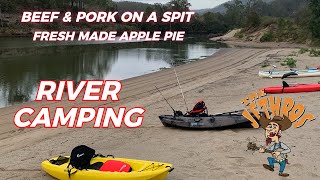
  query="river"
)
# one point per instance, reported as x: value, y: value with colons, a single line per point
x: 24, y: 63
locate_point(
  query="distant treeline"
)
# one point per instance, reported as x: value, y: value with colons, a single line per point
x: 281, y: 20
x: 13, y: 6
x: 295, y: 20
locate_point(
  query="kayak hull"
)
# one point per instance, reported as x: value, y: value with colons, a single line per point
x: 279, y: 74
x: 294, y: 89
x: 140, y: 170
x: 207, y: 122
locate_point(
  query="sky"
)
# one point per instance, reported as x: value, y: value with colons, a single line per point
x: 196, y: 4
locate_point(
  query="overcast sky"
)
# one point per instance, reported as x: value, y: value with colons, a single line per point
x: 196, y: 4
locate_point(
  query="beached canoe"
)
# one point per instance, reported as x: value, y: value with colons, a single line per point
x: 205, y: 121
x: 293, y: 73
x: 147, y: 170
x: 293, y: 88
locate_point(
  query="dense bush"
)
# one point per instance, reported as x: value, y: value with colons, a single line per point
x: 292, y: 63
x: 267, y: 37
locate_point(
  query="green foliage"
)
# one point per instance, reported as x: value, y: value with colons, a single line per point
x: 267, y: 21
x: 285, y: 8
x: 314, y: 6
x: 239, y: 35
x: 106, y: 5
x: 19, y: 97
x: 253, y: 19
x: 54, y: 26
x: 267, y: 37
x: 303, y: 50
x: 213, y: 23
x: 290, y: 62
x: 235, y: 14
x: 179, y: 5
x: 286, y: 30
x: 123, y: 6
x: 265, y: 64
x: 314, y: 52
x: 286, y: 20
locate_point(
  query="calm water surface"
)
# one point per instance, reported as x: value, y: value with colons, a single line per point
x: 24, y: 63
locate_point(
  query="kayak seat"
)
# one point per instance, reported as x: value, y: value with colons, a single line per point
x: 199, y: 109
x: 285, y: 84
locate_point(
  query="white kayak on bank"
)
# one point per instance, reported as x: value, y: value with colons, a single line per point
x: 291, y: 73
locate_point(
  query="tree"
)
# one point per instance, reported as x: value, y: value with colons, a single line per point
x: 252, y: 17
x: 314, y: 6
x: 235, y: 13
x: 179, y: 5
x: 160, y: 8
x: 214, y: 23
x: 105, y: 5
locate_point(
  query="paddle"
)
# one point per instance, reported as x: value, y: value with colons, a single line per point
x: 289, y: 74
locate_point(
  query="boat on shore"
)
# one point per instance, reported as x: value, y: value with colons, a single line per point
x: 214, y: 121
x: 141, y: 169
x: 291, y: 73
x: 292, y: 88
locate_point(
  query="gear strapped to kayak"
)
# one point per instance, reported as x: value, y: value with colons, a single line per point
x: 80, y: 158
x: 115, y: 166
x: 199, y: 109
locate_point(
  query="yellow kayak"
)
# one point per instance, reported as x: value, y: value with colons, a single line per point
x: 141, y: 170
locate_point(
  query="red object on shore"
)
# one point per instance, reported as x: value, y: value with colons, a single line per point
x: 318, y: 67
x: 293, y: 89
x: 115, y: 166
x: 199, y: 108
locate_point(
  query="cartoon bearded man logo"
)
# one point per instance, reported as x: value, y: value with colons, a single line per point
x: 279, y: 150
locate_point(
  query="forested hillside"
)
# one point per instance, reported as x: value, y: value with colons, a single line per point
x: 222, y: 9
x: 132, y: 6
x: 276, y: 20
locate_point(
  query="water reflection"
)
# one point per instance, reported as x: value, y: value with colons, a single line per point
x: 22, y: 68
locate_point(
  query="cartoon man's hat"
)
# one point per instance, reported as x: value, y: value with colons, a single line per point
x: 284, y: 122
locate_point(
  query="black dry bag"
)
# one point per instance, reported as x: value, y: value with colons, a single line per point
x: 80, y: 158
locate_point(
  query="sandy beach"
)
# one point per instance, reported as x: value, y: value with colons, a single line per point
x: 222, y: 81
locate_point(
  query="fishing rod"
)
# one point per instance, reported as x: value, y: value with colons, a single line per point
x: 184, y: 99
x: 175, y: 72
x: 166, y: 100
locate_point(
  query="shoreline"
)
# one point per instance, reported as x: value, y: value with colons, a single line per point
x: 221, y: 80
x: 232, y: 41
x: 270, y: 45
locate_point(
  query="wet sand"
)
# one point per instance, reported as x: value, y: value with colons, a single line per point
x: 221, y: 81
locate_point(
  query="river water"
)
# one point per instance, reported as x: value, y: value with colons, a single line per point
x: 24, y: 63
